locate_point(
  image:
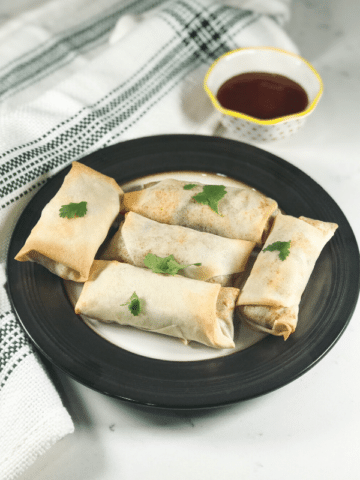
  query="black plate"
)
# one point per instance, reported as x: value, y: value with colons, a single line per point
x: 327, y: 305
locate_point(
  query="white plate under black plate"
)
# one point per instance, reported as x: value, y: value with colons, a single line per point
x: 44, y: 310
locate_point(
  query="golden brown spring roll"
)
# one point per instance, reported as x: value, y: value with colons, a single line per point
x: 219, y: 256
x: 271, y: 295
x: 243, y: 212
x: 172, y: 305
x: 67, y: 246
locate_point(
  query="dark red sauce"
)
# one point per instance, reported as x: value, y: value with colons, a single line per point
x: 262, y: 95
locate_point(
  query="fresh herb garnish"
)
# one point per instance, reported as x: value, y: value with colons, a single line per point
x: 282, y: 247
x: 164, y: 265
x: 189, y: 186
x: 134, y: 305
x: 211, y: 195
x: 73, y: 210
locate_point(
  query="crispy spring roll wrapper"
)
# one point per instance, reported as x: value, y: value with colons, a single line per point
x: 219, y: 256
x: 67, y: 247
x: 244, y: 212
x: 279, y: 321
x: 173, y: 305
x: 270, y: 298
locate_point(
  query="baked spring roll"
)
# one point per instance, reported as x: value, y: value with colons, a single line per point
x: 270, y: 298
x: 67, y: 246
x: 171, y: 305
x: 243, y: 213
x: 220, y: 257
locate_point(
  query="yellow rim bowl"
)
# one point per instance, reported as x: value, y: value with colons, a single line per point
x: 263, y: 59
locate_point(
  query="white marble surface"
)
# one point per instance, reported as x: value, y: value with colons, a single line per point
x: 306, y: 430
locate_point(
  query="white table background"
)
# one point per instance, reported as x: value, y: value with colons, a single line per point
x: 309, y: 429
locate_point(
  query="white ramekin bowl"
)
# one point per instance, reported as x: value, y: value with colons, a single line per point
x: 263, y: 59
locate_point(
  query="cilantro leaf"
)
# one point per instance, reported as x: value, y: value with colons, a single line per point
x: 211, y: 195
x: 134, y: 305
x: 73, y: 210
x: 189, y: 186
x: 282, y: 247
x: 164, y: 265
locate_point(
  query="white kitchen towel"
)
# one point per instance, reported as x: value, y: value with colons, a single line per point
x: 77, y: 76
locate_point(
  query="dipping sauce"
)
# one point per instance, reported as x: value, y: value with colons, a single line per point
x: 262, y: 95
